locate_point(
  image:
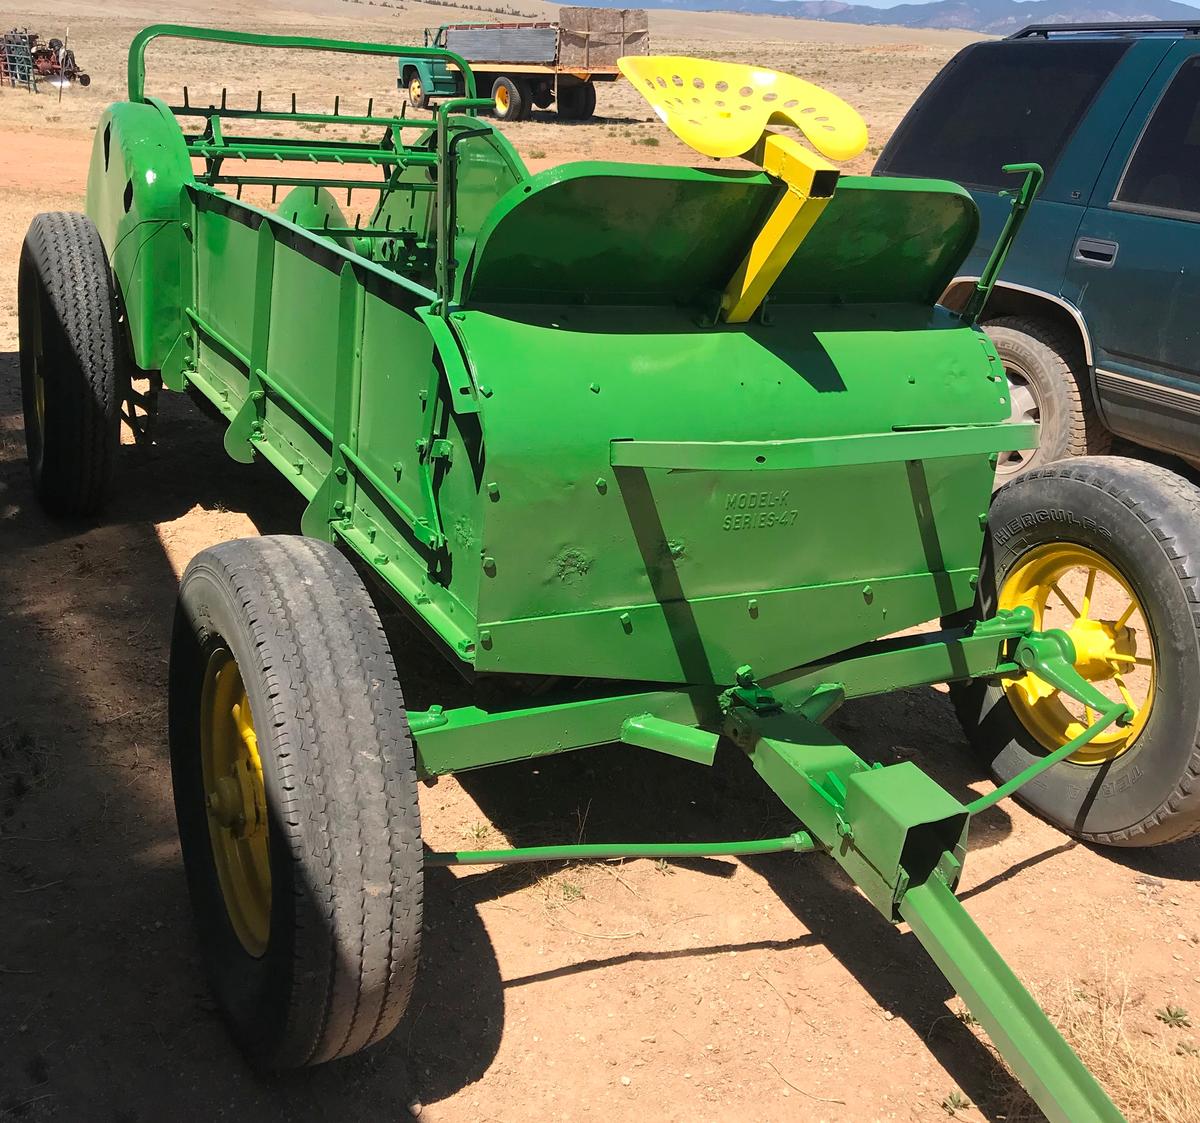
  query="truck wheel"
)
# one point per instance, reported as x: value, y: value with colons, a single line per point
x: 73, y: 372
x: 1047, y: 383
x: 577, y: 103
x: 296, y: 799
x: 1108, y: 550
x: 510, y: 100
x: 417, y: 97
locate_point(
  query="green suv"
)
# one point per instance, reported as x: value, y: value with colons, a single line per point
x: 1097, y: 313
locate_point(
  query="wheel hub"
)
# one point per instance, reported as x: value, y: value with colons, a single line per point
x: 1065, y: 584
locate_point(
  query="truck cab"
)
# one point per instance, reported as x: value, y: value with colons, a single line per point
x: 1096, y: 313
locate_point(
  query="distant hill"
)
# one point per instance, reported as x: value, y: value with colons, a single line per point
x: 995, y: 17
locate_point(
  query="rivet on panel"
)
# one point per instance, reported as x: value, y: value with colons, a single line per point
x: 489, y: 566
x: 493, y: 490
x: 602, y: 485
x: 594, y: 387
x: 752, y: 605
x: 485, y: 639
x: 626, y: 623
x: 339, y: 474
x: 868, y: 594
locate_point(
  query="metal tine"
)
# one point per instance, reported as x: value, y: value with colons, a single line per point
x: 293, y: 101
x: 274, y: 193
x: 370, y: 106
x: 337, y: 101
x: 258, y: 103
x: 224, y: 95
x: 239, y: 191
x: 186, y: 103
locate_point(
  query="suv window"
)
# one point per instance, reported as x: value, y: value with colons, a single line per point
x: 1164, y: 172
x: 1000, y: 103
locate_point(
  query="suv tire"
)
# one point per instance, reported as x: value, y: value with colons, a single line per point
x: 1048, y: 383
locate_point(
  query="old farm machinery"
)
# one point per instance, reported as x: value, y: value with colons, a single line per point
x: 657, y: 455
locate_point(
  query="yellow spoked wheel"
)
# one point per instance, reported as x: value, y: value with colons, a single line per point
x: 416, y: 93
x: 1071, y: 587
x: 236, y: 802
x: 503, y: 101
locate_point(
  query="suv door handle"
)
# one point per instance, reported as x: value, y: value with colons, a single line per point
x: 1096, y: 251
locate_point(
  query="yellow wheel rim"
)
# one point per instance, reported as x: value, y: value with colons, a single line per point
x: 502, y: 99
x: 236, y: 802
x: 414, y: 90
x: 1075, y: 589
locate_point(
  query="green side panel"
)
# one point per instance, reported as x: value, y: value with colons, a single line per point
x: 773, y: 567
x: 327, y: 369
x: 139, y: 165
x: 609, y: 233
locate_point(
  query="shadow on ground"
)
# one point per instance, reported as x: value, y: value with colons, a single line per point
x: 103, y: 1011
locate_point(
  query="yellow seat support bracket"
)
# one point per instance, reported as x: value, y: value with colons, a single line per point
x: 722, y: 109
x: 810, y: 181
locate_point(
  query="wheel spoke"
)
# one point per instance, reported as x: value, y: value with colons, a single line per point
x: 1123, y: 619
x: 1087, y: 593
x: 1125, y: 695
x: 1063, y: 597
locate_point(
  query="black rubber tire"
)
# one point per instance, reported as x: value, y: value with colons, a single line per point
x: 577, y: 103
x: 1145, y: 521
x: 340, y: 783
x: 1051, y: 361
x: 516, y: 107
x: 541, y: 96
x: 70, y: 333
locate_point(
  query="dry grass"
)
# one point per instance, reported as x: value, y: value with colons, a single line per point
x: 1148, y: 1068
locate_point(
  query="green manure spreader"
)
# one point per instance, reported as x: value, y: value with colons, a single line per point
x: 676, y: 457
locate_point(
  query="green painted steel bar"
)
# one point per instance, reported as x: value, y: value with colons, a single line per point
x: 316, y: 154
x: 799, y: 843
x: 290, y: 181
x: 1026, y: 193
x: 446, y: 189
x: 1023, y: 777
x: 1044, y: 1063
x: 431, y: 536
x: 241, y: 113
x: 821, y: 452
x: 137, y: 49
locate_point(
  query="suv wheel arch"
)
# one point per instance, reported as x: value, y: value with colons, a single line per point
x: 1017, y: 300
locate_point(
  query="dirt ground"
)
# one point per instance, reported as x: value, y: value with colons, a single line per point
x: 702, y: 990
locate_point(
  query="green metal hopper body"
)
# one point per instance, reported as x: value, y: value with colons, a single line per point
x: 574, y: 454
